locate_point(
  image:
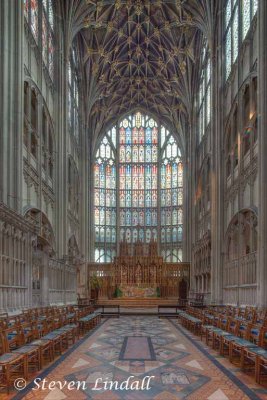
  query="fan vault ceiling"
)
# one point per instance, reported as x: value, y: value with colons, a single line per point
x: 138, y: 54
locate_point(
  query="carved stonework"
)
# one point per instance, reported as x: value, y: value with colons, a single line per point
x: 48, y: 194
x: 30, y: 175
x: 10, y: 216
x: 44, y: 229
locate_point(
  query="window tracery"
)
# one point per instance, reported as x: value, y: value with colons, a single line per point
x: 237, y: 22
x: 204, y: 94
x: 40, y: 17
x: 38, y: 129
x: 231, y: 34
x: 135, y: 162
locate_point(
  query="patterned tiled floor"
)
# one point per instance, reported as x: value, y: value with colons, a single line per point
x: 179, y: 364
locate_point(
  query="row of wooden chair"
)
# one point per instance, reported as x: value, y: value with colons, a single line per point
x: 27, y: 344
x: 39, y: 314
x: 242, y: 337
x: 248, y: 313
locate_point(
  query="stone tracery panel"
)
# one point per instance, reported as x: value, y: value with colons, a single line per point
x: 15, y: 259
x: 202, y: 265
x: 240, y: 259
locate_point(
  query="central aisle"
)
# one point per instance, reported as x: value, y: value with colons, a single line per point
x: 140, y: 346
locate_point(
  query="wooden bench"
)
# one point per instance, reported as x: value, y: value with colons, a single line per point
x: 110, y: 307
x: 164, y: 307
x: 89, y: 322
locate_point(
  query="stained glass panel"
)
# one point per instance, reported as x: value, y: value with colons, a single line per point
x: 105, y: 201
x: 208, y: 105
x: 47, y: 36
x: 204, y: 94
x: 141, y: 171
x: 73, y: 97
x: 171, y: 179
x: 246, y: 16
x: 228, y: 12
x: 228, y: 52
x: 235, y: 35
x: 34, y: 18
x: 255, y: 4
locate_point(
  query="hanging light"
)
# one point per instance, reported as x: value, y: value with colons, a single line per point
x: 248, y: 130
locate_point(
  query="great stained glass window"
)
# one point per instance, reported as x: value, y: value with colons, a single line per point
x: 138, y: 188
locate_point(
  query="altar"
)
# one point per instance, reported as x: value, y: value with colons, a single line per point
x: 140, y: 272
x: 138, y: 291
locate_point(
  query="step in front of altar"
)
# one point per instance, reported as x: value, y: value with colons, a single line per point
x: 138, y: 302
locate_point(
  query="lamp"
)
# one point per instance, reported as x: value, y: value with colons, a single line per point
x: 248, y: 130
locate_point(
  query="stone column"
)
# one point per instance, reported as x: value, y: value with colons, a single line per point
x: 262, y: 126
x: 217, y: 183
x: 188, y: 199
x: 84, y: 184
x: 90, y: 186
x: 191, y: 189
x: 11, y: 102
x: 61, y: 125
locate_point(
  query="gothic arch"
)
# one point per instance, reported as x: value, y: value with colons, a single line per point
x: 240, y: 257
x: 45, y: 232
x: 160, y: 121
x: 241, y: 232
x: 73, y: 247
x: 138, y: 164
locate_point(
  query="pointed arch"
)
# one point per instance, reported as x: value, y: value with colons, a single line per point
x: 138, y: 187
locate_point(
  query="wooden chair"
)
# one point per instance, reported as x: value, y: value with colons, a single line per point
x: 57, y: 342
x: 221, y: 331
x: 3, y: 320
x: 12, y: 366
x: 32, y: 357
x: 13, y: 338
x: 248, y: 340
x: 261, y: 365
x: 29, y: 332
x: 255, y: 358
x: 46, y: 350
x: 227, y: 338
x: 198, y: 301
x: 210, y: 329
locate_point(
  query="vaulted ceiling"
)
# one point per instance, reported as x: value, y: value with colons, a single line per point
x: 139, y: 54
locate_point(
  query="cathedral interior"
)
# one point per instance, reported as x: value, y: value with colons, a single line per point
x: 133, y: 199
